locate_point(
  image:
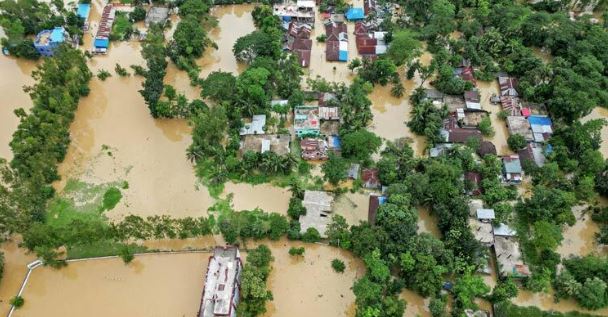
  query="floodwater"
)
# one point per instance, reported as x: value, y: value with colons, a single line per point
x: 149, y: 154
x: 545, y: 301
x: 152, y: 285
x: 427, y: 222
x: 579, y: 240
x: 15, y: 75
x: 15, y: 262
x: 391, y: 115
x: 600, y: 113
x: 308, y: 286
x: 353, y: 207
x: 501, y: 133
x: 264, y: 196
x: 416, y: 304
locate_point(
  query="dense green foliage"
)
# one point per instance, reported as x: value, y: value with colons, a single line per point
x: 338, y: 265
x: 154, y: 52
x: 254, y: 293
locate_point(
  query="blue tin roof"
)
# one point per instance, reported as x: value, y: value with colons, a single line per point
x: 539, y: 120
x: 57, y: 35
x: 355, y: 14
x: 343, y: 56
x: 83, y: 10
x: 336, y: 141
x: 102, y: 43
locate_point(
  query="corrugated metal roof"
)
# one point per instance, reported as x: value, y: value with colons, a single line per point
x: 485, y: 214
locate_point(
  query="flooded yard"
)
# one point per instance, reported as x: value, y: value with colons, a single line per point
x: 545, y: 301
x: 501, y: 133
x: 580, y: 239
x: 152, y: 285
x: 600, y: 113
x: 15, y: 261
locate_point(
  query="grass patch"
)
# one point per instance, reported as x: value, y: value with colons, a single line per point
x: 111, y: 198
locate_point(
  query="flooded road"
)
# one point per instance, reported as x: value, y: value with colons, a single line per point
x: 501, y: 133
x: 416, y: 304
x: 15, y: 75
x: 152, y: 285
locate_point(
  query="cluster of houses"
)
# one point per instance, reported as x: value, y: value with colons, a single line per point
x: 336, y: 41
x: 254, y: 138
x: 500, y: 237
x: 101, y: 43
x: 370, y: 42
x: 47, y: 41
x: 297, y: 40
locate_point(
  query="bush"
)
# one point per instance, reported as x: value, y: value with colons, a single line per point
x: 103, y: 74
x: 485, y: 126
x: 338, y: 265
x: 516, y: 142
x: 311, y: 235
x: 127, y: 254
x: 17, y: 301
x: 295, y: 209
x: 121, y: 71
x: 111, y: 198
x: 293, y: 251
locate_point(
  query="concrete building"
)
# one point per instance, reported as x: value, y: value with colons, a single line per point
x: 256, y: 126
x: 261, y: 143
x: 156, y: 15
x: 318, y: 205
x: 301, y: 11
x: 48, y: 40
x: 222, y: 283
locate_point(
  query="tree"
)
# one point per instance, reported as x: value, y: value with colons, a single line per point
x: 504, y: 290
x: 360, y: 145
x: 17, y: 301
x: 485, y: 126
x: 293, y: 251
x: 189, y: 39
x: 138, y: 14
x: 311, y: 235
x: 154, y: 52
x: 196, y: 8
x: 404, y: 47
x: 338, y: 265
x: 126, y: 253
x: 516, y: 142
x: 378, y: 71
x: 354, y: 64
x: 468, y: 287
x: 257, y: 43
x: 335, y: 169
x: 592, y: 294
x: 337, y: 232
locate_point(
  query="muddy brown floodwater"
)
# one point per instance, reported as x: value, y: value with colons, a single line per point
x: 486, y: 90
x: 579, y: 239
x: 14, y: 75
x: 15, y: 261
x: 151, y: 285
x: 545, y: 301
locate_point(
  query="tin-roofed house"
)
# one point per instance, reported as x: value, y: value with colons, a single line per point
x: 306, y: 121
x: 83, y: 11
x: 222, y: 283
x: 47, y: 41
x: 156, y: 15
x: 541, y: 126
x: 520, y: 125
x: 355, y: 14
x: 511, y: 169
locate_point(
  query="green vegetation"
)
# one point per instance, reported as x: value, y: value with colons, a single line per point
x: 17, y: 301
x: 506, y: 309
x: 122, y: 28
x: 293, y: 251
x: 138, y: 14
x: 254, y: 293
x: 154, y: 52
x: 335, y: 169
x: 103, y: 74
x: 426, y: 118
x: 1, y: 265
x: 517, y: 142
x: 111, y: 198
x: 121, y: 71
x: 338, y: 265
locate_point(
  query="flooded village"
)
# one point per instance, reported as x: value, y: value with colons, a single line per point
x: 114, y: 142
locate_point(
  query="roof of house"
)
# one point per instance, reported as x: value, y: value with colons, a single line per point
x: 482, y: 231
x: 454, y: 102
x: 504, y: 230
x: 353, y: 171
x: 512, y: 164
x: 472, y: 99
x: 541, y: 126
x: 370, y: 178
x: 58, y: 34
x: 355, y: 14
x: 306, y: 118
x: 440, y: 149
x: 223, y: 274
x: 507, y: 85
x: 303, y: 57
x: 459, y: 135
x: 256, y: 126
x: 318, y: 205
x: 260, y: 143
x: 157, y: 15
x: 375, y: 202
x: 466, y: 73
x: 533, y: 152
x: 332, y: 51
x: 508, y: 256
x: 361, y: 28
x: 483, y: 214
x: 83, y: 11
x: 519, y: 125
x: 485, y: 148
x: 102, y: 43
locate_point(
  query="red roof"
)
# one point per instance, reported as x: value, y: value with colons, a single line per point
x: 360, y: 29
x: 366, y: 41
x: 367, y: 50
x: 332, y: 51
x: 370, y: 178
x: 459, y: 135
x: 467, y: 74
x: 303, y: 57
x: 526, y: 112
